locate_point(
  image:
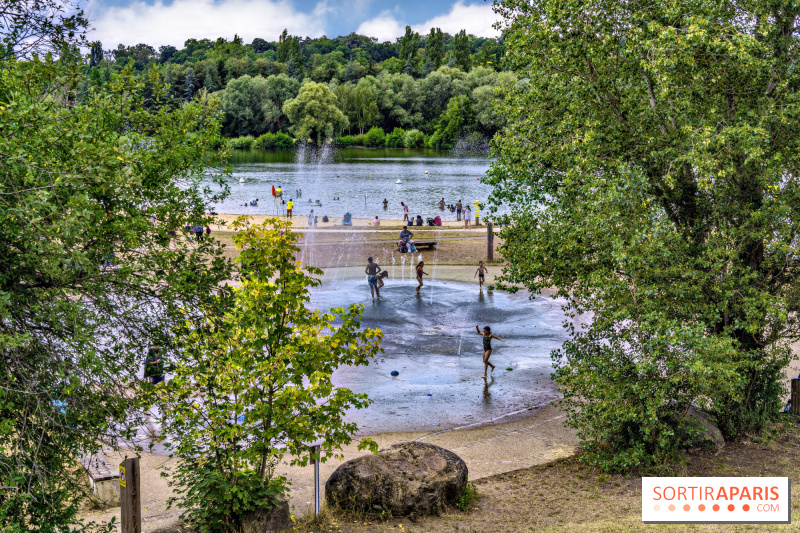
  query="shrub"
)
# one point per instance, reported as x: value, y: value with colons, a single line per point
x: 241, y: 143
x: 265, y: 142
x: 283, y: 141
x: 359, y: 139
x: 347, y: 140
x: 395, y: 139
x: 469, y: 495
x: 374, y: 137
x: 414, y: 139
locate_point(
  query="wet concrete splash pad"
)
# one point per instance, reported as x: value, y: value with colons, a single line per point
x: 431, y: 342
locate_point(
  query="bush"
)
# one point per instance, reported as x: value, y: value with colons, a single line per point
x: 347, y: 140
x: 414, y: 139
x: 469, y: 495
x: 283, y: 141
x: 359, y: 139
x: 395, y: 139
x: 265, y: 142
x: 241, y: 143
x: 375, y: 137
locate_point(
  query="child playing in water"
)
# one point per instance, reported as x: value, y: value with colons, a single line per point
x: 481, y: 273
x: 420, y: 273
x: 487, y: 347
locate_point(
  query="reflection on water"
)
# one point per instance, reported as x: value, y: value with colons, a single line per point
x: 360, y: 178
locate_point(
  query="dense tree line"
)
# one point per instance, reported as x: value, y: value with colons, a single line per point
x: 362, y: 84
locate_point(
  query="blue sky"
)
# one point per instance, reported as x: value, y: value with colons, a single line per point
x: 162, y: 22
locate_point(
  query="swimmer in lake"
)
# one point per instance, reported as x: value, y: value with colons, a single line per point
x: 487, y: 347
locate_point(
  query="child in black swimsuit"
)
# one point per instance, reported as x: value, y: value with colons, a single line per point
x: 487, y: 347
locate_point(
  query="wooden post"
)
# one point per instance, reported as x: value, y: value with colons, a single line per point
x: 795, y: 395
x: 130, y: 496
x: 489, y: 242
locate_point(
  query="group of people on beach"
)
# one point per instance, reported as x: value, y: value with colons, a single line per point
x: 458, y: 208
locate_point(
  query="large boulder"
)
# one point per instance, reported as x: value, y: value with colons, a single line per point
x: 709, y: 434
x: 408, y: 478
x: 274, y: 520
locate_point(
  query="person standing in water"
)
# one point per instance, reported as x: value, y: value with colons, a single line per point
x: 459, y: 205
x: 385, y: 203
x: 481, y: 273
x: 441, y: 204
x: 405, y: 212
x: 372, y: 271
x: 487, y: 347
x: 420, y: 273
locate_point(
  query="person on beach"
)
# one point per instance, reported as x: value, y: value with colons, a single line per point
x: 153, y: 366
x: 376, y: 222
x: 419, y: 220
x: 481, y: 273
x: 385, y: 203
x: 458, y: 210
x: 311, y: 219
x: 467, y: 217
x: 289, y: 206
x: 420, y: 273
x: 372, y: 271
x: 405, y: 212
x: 487, y: 347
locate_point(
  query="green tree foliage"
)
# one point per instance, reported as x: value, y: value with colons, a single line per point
x: 458, y: 119
x: 254, y: 383
x: 374, y: 137
x: 314, y: 113
x: 413, y: 139
x: 408, y: 45
x: 650, y: 160
x: 434, y: 48
x: 188, y: 84
x: 289, y: 49
x: 36, y: 27
x: 95, y: 53
x: 461, y: 50
x: 253, y: 105
x: 395, y: 138
x: 89, y: 282
x: 211, y: 79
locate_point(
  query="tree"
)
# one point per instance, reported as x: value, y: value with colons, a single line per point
x: 408, y: 45
x: 254, y: 382
x: 364, y: 107
x: 461, y: 51
x: 289, y: 49
x: 247, y: 107
x: 34, y: 27
x: 260, y: 45
x: 434, y: 48
x: 314, y: 113
x: 188, y: 84
x: 95, y: 53
x: 456, y: 120
x: 649, y: 153
x: 165, y: 53
x: 211, y: 79
x: 88, y: 282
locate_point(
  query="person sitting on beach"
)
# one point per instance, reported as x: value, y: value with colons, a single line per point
x: 376, y: 222
x: 419, y: 220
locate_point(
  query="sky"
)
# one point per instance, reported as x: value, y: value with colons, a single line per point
x: 171, y: 22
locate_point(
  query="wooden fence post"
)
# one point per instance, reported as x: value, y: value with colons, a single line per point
x: 489, y: 242
x: 795, y: 395
x: 130, y: 496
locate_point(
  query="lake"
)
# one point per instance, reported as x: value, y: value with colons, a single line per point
x: 359, y: 177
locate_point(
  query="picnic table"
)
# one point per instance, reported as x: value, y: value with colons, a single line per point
x: 425, y: 244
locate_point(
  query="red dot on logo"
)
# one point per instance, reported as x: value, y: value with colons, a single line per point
x: 731, y: 507
x: 671, y: 507
x: 687, y: 507
x: 746, y: 507
x: 701, y: 507
x: 716, y: 507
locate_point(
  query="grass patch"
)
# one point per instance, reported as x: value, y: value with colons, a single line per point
x: 468, y: 497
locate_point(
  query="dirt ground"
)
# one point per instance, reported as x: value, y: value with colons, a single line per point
x: 566, y: 495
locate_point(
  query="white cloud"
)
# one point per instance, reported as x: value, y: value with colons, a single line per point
x: 385, y: 27
x: 477, y: 19
x: 159, y: 24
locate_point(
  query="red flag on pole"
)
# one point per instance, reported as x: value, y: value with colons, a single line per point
x: 273, y: 190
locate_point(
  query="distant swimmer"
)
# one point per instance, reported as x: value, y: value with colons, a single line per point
x: 385, y: 203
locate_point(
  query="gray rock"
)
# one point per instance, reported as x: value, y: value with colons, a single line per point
x: 408, y: 478
x: 273, y: 521
x: 709, y: 432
